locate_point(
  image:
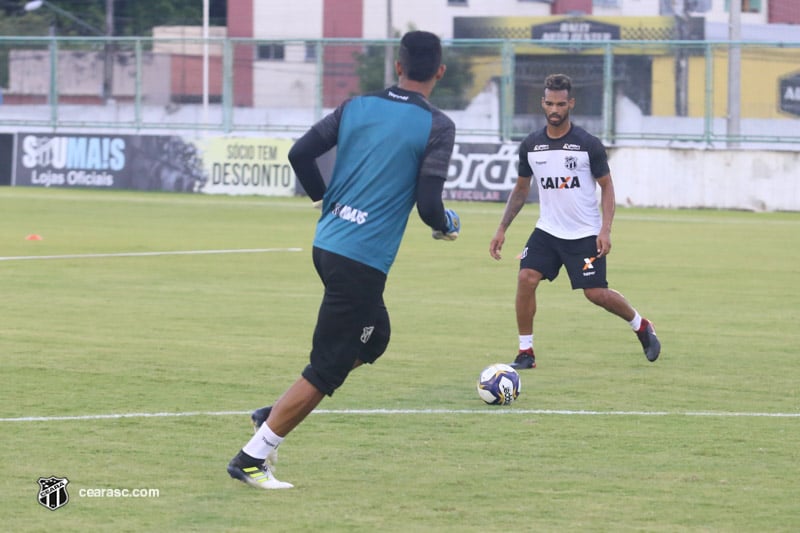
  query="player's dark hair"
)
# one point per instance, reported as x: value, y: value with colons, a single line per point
x: 558, y: 82
x: 420, y: 55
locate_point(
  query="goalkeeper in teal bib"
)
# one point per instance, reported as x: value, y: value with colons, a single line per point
x: 393, y: 149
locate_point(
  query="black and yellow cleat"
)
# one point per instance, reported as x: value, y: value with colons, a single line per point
x: 251, y: 471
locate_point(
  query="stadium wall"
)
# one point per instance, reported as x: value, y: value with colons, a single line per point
x: 756, y: 180
x: 719, y: 179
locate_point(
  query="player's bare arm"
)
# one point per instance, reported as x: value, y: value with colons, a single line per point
x: 608, y: 205
x: 516, y: 200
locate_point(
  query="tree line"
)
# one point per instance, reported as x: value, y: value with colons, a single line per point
x: 131, y: 17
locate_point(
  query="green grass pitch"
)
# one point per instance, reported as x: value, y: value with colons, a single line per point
x: 705, y: 439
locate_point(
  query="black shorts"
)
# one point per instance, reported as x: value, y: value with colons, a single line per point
x: 546, y: 253
x: 352, y: 322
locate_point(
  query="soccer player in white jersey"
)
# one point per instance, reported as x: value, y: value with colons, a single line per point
x: 573, y: 229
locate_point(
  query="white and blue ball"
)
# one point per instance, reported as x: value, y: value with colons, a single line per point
x: 499, y: 384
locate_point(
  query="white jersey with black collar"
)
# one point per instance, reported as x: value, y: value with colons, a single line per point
x: 565, y: 170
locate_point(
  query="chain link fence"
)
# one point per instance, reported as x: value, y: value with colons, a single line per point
x: 627, y: 92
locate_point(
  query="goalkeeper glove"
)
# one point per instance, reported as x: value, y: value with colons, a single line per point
x: 453, y: 227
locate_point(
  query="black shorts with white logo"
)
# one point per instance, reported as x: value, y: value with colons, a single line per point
x: 546, y: 253
x: 352, y: 324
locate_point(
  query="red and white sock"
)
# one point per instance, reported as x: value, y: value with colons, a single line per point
x: 637, y: 321
x: 525, y: 343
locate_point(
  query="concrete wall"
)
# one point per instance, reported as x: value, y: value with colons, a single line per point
x: 722, y: 179
x: 80, y: 76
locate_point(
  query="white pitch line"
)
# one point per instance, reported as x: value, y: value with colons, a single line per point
x: 487, y: 411
x: 149, y: 254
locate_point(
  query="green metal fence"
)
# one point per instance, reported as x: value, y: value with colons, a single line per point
x: 628, y: 92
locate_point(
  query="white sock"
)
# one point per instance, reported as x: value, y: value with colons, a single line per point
x: 262, y: 443
x: 636, y: 323
x: 526, y: 342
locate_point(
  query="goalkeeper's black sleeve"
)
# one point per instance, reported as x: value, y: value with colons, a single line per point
x: 303, y: 157
x: 429, y: 202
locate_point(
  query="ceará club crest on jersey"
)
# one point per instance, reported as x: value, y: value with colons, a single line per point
x: 571, y: 162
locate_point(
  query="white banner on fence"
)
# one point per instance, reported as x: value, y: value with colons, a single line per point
x: 247, y: 166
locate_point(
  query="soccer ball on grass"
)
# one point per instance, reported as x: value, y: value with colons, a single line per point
x: 498, y: 384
